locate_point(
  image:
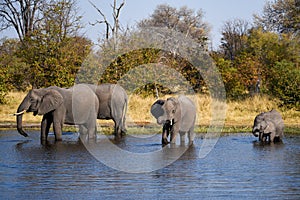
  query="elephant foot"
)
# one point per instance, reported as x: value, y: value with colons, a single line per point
x: 164, y: 141
x: 118, y: 137
x: 123, y: 133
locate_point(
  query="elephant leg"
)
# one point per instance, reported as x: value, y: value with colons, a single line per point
x: 264, y: 138
x: 260, y: 136
x: 57, y: 127
x: 82, y: 129
x: 45, y: 126
x: 165, y: 134
x: 174, y: 131
x: 182, y: 137
x: 92, y: 129
x: 123, y: 127
x: 118, y: 130
x: 272, y: 136
x: 191, y: 135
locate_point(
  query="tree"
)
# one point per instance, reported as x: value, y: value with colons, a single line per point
x: 280, y: 16
x: 112, y: 29
x: 55, y: 51
x: 234, y: 35
x: 22, y: 15
x: 183, y: 20
x: 285, y: 83
x: 60, y: 20
x: 13, y: 68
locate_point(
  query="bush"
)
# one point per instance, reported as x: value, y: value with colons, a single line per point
x: 3, y: 88
x: 284, y: 83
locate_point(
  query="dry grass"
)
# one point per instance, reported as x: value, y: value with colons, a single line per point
x: 239, y: 113
x: 7, y: 110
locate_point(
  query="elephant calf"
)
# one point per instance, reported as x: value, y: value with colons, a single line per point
x: 178, y: 115
x: 268, y: 126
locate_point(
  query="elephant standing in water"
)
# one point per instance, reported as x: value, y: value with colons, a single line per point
x: 268, y: 126
x: 77, y: 105
x: 178, y: 115
x: 113, y: 101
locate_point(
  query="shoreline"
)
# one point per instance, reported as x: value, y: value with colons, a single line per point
x: 147, y: 127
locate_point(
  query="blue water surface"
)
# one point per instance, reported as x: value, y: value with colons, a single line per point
x: 236, y: 168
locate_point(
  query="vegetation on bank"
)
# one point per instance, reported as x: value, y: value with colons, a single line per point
x: 239, y: 114
x: 258, y: 63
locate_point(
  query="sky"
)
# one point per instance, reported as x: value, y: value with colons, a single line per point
x: 216, y: 12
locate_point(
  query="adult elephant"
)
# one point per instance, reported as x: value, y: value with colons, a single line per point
x: 268, y: 126
x: 77, y: 105
x: 113, y: 101
x: 177, y: 115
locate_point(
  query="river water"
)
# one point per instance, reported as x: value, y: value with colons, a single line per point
x: 236, y: 168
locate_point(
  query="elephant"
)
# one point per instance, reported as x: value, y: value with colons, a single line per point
x: 268, y: 126
x: 113, y: 101
x: 76, y: 105
x: 178, y: 115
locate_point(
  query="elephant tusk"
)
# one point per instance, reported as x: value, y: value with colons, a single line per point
x: 19, y: 113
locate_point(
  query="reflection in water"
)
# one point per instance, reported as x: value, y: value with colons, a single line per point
x: 237, y: 168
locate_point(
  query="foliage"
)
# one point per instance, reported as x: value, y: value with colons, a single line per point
x: 54, y: 63
x: 285, y: 83
x: 113, y: 63
x: 262, y: 58
x: 281, y: 16
x: 183, y: 20
x: 234, y: 37
x: 240, y: 76
x: 3, y: 86
x: 142, y: 70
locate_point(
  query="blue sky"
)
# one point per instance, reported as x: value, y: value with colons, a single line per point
x: 216, y: 12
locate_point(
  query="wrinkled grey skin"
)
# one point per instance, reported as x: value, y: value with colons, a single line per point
x: 268, y: 126
x: 177, y: 115
x: 76, y: 105
x: 113, y: 102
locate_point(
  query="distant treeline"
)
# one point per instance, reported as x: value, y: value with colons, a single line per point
x: 259, y: 58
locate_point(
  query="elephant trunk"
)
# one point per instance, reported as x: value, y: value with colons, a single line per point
x: 255, y: 131
x: 24, y: 106
x: 19, y: 125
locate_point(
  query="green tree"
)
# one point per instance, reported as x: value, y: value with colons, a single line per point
x: 285, y: 83
x: 13, y: 69
x: 113, y: 63
x: 54, y: 51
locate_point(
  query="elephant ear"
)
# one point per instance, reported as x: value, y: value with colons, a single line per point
x: 50, y: 101
x: 269, y: 128
x: 156, y: 108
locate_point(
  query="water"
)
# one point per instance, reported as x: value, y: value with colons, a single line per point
x: 237, y: 168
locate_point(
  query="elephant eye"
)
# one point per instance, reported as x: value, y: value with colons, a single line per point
x: 173, y: 111
x: 33, y: 102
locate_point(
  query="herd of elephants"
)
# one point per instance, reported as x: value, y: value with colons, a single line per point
x: 83, y: 104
